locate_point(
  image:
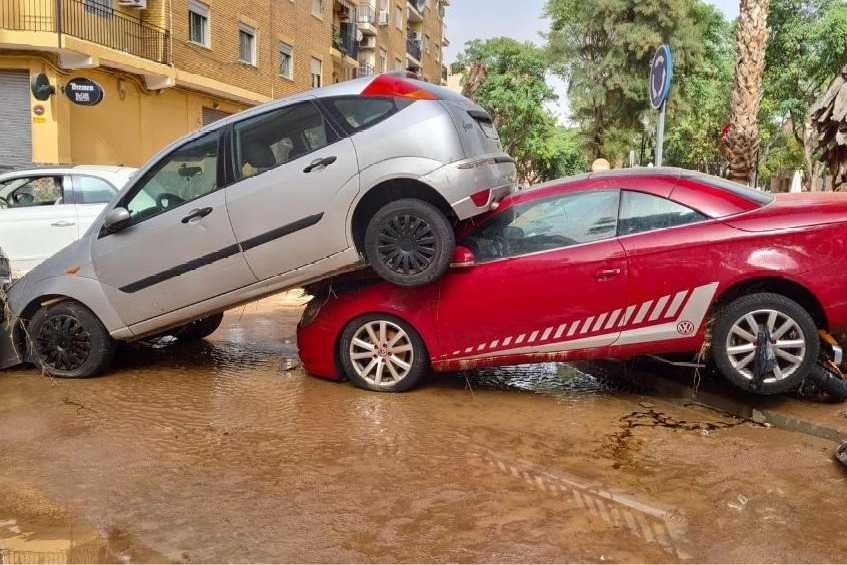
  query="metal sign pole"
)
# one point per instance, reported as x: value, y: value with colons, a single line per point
x: 660, y: 134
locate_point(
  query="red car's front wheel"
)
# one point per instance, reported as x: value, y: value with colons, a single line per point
x: 383, y: 353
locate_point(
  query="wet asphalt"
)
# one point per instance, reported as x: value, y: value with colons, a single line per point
x: 225, y: 451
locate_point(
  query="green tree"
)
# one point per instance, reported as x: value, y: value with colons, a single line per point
x: 514, y: 89
x: 603, y: 49
x: 806, y: 49
x: 699, y: 106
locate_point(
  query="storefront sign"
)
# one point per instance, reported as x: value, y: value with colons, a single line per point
x: 41, y: 88
x: 84, y: 92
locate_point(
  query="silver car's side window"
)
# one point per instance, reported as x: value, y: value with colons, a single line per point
x: 543, y: 225
x: 272, y: 139
x: 187, y: 173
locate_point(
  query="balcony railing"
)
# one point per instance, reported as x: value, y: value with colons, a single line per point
x: 367, y: 14
x: 413, y: 48
x: 89, y: 21
x: 344, y: 39
x: 366, y: 69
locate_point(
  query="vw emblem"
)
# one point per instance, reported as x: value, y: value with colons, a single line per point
x: 685, y: 327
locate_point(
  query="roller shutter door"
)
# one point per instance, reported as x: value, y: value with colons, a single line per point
x: 15, y: 127
x: 210, y: 115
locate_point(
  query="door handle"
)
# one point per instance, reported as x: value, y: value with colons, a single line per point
x: 322, y: 162
x: 62, y: 223
x: 605, y: 274
x: 197, y: 213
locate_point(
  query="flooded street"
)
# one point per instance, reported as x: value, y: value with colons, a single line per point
x: 219, y: 452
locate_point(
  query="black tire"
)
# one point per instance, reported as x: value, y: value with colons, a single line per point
x: 409, y: 242
x: 736, y: 349
x: 388, y: 367
x: 67, y: 340
x: 832, y: 385
x: 198, y: 329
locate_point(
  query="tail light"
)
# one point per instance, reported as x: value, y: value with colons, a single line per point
x: 480, y: 199
x: 387, y: 85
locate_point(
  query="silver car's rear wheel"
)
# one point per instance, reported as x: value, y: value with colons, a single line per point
x: 381, y: 352
x: 765, y: 343
x: 409, y: 242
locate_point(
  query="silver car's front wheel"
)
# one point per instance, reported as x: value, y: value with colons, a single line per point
x: 382, y: 352
x: 765, y: 343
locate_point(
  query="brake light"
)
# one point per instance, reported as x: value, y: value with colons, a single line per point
x: 386, y: 85
x: 480, y: 199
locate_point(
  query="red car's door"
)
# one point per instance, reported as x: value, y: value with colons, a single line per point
x: 550, y: 278
x: 675, y: 259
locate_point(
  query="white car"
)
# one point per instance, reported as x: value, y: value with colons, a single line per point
x: 44, y: 209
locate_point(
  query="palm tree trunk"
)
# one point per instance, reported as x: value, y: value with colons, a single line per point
x: 743, y: 138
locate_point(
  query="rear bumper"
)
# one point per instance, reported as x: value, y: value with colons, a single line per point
x: 462, y: 179
x: 8, y: 355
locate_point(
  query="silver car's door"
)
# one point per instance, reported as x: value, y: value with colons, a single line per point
x: 295, y: 180
x: 178, y: 247
x: 37, y: 218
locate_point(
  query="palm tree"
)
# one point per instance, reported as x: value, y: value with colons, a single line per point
x: 742, y: 141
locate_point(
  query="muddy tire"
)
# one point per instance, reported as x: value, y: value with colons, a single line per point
x: 785, y: 358
x: 198, y: 329
x: 383, y: 353
x: 823, y: 380
x: 409, y: 242
x: 67, y: 340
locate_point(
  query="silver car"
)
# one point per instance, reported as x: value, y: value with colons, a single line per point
x: 373, y: 170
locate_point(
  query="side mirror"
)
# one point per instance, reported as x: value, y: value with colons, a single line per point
x: 462, y: 258
x: 116, y: 220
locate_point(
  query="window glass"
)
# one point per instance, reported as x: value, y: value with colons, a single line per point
x: 642, y: 212
x: 542, y: 225
x: 247, y: 44
x: 274, y: 138
x: 357, y: 113
x: 188, y: 173
x: 91, y: 190
x: 316, y: 72
x: 198, y: 23
x: 100, y: 7
x: 32, y: 191
x: 285, y: 60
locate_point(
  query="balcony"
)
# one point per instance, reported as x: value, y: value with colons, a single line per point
x: 100, y: 25
x: 344, y: 40
x: 414, y: 51
x: 367, y: 19
x: 416, y: 10
x: 366, y: 69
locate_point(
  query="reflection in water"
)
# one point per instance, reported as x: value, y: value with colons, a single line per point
x: 665, y: 527
x: 556, y: 379
x: 18, y: 546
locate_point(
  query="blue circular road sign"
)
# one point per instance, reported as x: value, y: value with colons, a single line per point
x: 661, y: 70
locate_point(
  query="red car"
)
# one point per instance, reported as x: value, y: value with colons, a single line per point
x: 614, y: 264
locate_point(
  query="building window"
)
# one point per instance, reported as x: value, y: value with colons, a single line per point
x: 99, y: 7
x: 317, y: 8
x: 426, y: 43
x: 316, y: 73
x: 398, y: 17
x: 383, y: 61
x: 398, y: 64
x: 198, y: 23
x: 246, y: 44
x: 286, y: 61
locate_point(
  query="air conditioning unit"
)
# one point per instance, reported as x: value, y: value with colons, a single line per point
x: 368, y: 42
x: 383, y: 17
x: 140, y: 4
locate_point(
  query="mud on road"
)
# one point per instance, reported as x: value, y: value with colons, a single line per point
x: 216, y: 452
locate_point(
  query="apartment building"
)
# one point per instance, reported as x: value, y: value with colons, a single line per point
x: 167, y: 67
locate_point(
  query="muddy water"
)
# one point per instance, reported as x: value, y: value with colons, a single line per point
x: 215, y: 452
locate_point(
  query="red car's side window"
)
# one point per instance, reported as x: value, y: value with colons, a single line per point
x: 546, y: 224
x: 641, y: 212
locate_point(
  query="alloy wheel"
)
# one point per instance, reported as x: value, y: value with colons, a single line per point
x: 786, y: 342
x: 381, y: 353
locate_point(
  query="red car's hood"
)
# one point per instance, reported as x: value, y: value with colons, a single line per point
x: 794, y: 210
